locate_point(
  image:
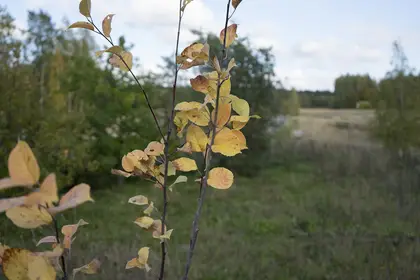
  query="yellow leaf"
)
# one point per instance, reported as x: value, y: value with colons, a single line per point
x: 238, y: 122
x: 139, y: 155
x: 75, y: 196
x: 185, y: 164
x: 231, y: 35
x: 187, y: 106
x: 180, y: 121
x: 143, y: 255
x: 216, y: 64
x: 227, y: 143
x: 240, y: 106
x: 148, y: 211
x: 56, y: 252
x: 47, y: 193
x: 29, y: 216
x: 39, y: 268
x: 167, y: 235
x: 197, y: 138
x: 225, y: 88
x: 90, y: 268
x: 128, y: 163
x: 82, y: 24
x: 154, y: 149
x: 8, y: 203
x: 125, y: 64
x: 235, y: 3
x: 22, y: 164
x: 220, y: 178
x: 132, y: 263
x: 85, y: 7
x: 231, y: 64
x: 140, y: 261
x: 144, y: 222
x: 223, y: 114
x: 138, y: 200
x: 199, y: 117
x: 106, y: 25
x: 241, y: 138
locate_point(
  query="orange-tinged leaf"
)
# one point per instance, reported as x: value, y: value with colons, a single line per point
x: 154, y: 149
x: 144, y: 222
x: 22, y: 164
x: 84, y: 7
x: 220, y: 178
x: 200, y: 84
x: 139, y: 155
x: 128, y: 163
x: 106, y: 25
x: 82, y: 24
x: 70, y: 230
x: 77, y: 195
x: 197, y: 138
x: 227, y: 143
x: 194, y: 55
x: 29, y: 217
x: 91, y: 268
x: 235, y: 3
x: 2, y: 249
x: 125, y: 64
x: 8, y: 203
x: 241, y: 138
x: 138, y: 200
x: 223, y: 114
x: 185, y: 164
x: 140, y: 261
x: 230, y: 35
x: 186, y: 148
x: 132, y: 263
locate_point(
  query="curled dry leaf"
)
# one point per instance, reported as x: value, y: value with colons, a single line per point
x: 47, y: 239
x: 235, y: 3
x: 194, y: 55
x: 75, y: 196
x: 82, y: 24
x: 138, y: 200
x: 70, y: 230
x: 2, y: 249
x: 220, y: 178
x: 185, y: 164
x: 90, y: 268
x: 29, y: 217
x: 140, y: 261
x: 231, y: 35
x: 23, y: 166
x: 106, y: 25
x: 8, y: 203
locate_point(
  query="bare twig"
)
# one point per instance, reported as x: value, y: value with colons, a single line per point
x: 134, y: 77
x: 166, y: 150
x: 207, y: 161
x: 62, y: 259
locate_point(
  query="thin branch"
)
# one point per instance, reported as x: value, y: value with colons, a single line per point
x: 207, y: 160
x: 166, y: 150
x: 134, y: 77
x: 62, y: 259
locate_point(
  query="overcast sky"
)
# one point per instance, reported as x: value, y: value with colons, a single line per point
x: 314, y: 41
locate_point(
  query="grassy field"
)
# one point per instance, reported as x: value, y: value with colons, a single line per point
x: 345, y: 126
x: 284, y: 224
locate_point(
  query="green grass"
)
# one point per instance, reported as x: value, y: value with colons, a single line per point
x: 285, y: 224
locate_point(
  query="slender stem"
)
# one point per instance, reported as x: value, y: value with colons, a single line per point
x: 134, y: 77
x: 166, y: 150
x: 207, y: 160
x: 62, y: 259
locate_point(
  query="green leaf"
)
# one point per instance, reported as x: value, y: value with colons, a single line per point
x: 180, y: 179
x: 84, y: 7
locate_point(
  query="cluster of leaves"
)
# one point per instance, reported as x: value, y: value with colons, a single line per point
x: 36, y: 209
